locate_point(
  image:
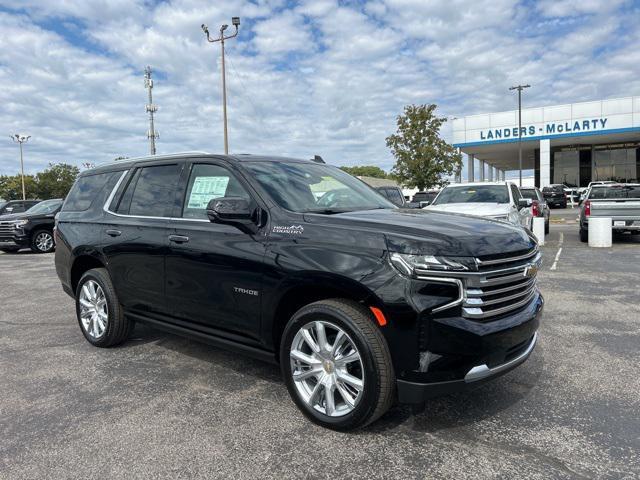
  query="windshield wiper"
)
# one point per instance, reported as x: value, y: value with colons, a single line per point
x: 326, y: 211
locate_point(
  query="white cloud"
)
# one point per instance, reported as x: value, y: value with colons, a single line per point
x: 319, y: 77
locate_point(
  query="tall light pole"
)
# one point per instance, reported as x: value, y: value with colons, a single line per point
x: 520, y: 88
x: 151, y: 108
x: 20, y: 139
x: 236, y: 23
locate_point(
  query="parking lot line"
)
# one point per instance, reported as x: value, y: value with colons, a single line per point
x: 555, y: 262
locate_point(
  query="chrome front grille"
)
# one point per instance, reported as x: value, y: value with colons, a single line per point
x: 501, y: 285
x: 6, y: 229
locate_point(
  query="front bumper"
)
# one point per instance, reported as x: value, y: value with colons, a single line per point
x: 14, y: 241
x: 416, y: 393
x: 472, y: 352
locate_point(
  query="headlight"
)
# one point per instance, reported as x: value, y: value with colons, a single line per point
x: 20, y: 223
x: 410, y: 264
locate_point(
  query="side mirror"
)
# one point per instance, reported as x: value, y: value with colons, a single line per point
x: 234, y: 211
x: 524, y: 203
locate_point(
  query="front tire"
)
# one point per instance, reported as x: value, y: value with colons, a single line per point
x: 99, y: 313
x: 42, y: 242
x: 336, y: 364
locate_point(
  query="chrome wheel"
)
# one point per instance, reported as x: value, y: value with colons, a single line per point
x: 326, y: 368
x: 44, y: 241
x: 94, y: 313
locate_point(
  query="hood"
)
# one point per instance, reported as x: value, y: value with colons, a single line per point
x: 479, y: 209
x: 26, y: 216
x: 432, y: 232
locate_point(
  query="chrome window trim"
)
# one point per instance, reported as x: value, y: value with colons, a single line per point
x: 113, y: 194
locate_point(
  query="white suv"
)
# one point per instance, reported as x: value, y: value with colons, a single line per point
x: 497, y: 200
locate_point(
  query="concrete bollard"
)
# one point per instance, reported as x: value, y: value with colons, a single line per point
x: 538, y: 229
x: 600, y: 232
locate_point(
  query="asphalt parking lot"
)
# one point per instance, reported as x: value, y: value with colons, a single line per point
x: 164, y: 407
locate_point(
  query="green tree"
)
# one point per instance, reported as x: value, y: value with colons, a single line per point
x: 57, y: 180
x: 11, y: 187
x: 422, y: 157
x: 366, y: 171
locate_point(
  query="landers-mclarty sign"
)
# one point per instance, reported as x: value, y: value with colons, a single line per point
x: 552, y: 128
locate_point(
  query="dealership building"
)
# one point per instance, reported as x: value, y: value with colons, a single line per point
x: 573, y: 144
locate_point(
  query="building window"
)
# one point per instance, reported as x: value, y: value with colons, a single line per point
x: 566, y: 168
x: 618, y: 165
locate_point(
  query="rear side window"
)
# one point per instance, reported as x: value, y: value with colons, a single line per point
x: 206, y: 183
x: 532, y: 194
x: 86, y: 190
x: 515, y: 192
x: 395, y: 197
x: 151, y: 192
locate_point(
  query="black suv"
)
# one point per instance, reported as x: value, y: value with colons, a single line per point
x: 32, y: 229
x: 298, y: 262
x: 554, y: 195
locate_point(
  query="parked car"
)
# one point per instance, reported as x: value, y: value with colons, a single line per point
x: 424, y: 198
x: 16, y: 206
x: 555, y: 195
x: 539, y: 207
x: 495, y: 200
x: 620, y: 202
x: 32, y: 229
x: 394, y: 195
x: 357, y: 304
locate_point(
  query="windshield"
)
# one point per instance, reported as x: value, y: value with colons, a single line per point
x: 477, y: 194
x: 529, y: 194
x: 48, y: 206
x: 308, y: 187
x: 615, y: 191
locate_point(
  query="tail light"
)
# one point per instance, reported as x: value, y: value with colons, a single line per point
x: 587, y: 208
x: 535, y: 208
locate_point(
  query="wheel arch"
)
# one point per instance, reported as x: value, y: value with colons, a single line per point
x: 296, y: 293
x: 82, y: 263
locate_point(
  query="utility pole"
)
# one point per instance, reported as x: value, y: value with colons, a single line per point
x: 151, y: 108
x: 20, y: 139
x: 236, y: 23
x: 520, y: 88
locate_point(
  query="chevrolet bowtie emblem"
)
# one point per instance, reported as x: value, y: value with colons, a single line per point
x: 531, y: 271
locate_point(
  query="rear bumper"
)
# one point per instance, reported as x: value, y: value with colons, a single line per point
x: 416, y: 393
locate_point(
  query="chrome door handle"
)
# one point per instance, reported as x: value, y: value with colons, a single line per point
x: 114, y: 233
x: 178, y: 239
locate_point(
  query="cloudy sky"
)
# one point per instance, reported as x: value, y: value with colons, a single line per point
x: 311, y: 77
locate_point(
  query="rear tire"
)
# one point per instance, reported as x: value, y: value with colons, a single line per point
x: 99, y: 313
x: 546, y: 227
x: 42, y: 242
x: 584, y: 235
x: 325, y: 391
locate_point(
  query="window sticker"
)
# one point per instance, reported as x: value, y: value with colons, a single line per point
x: 205, y: 189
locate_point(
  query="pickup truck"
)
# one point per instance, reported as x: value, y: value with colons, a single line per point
x: 620, y: 202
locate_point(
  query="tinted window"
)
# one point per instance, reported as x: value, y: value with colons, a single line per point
x: 526, y: 193
x: 395, y: 197
x: 151, y: 191
x: 87, y: 189
x: 515, y: 193
x: 311, y: 187
x: 48, y: 206
x: 207, y: 182
x: 383, y: 191
x: 476, y: 194
x: 617, y: 191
